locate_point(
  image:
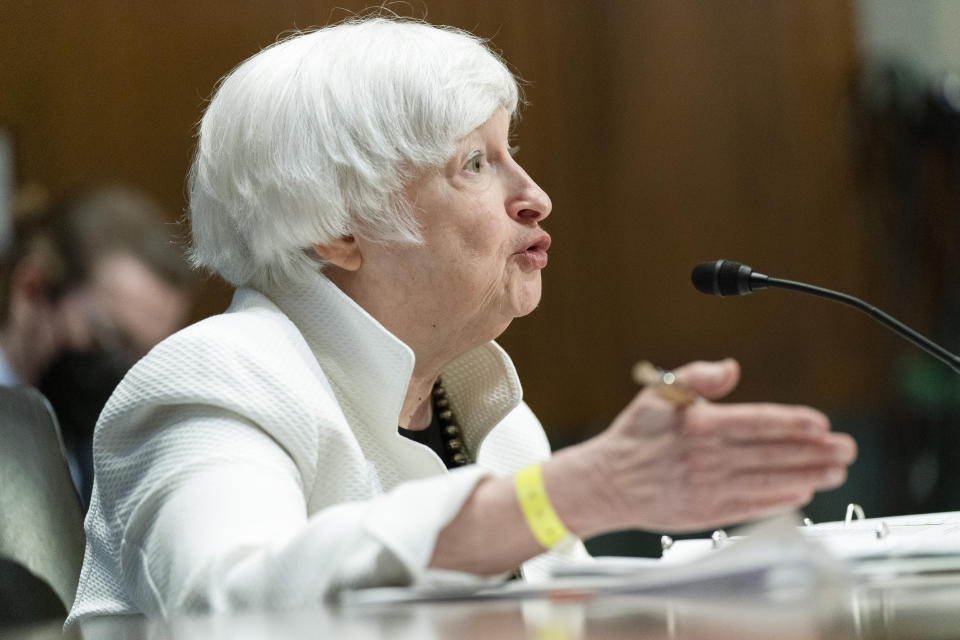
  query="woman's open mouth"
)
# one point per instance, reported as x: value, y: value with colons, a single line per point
x: 534, y: 255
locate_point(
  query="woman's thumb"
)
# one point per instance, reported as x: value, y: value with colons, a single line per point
x: 711, y: 380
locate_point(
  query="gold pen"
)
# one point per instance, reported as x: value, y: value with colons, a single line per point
x: 664, y: 383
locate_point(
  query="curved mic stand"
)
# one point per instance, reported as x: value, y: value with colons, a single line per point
x: 928, y: 345
x: 729, y: 278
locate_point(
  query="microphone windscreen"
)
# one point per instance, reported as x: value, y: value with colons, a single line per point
x: 721, y: 278
x: 704, y: 277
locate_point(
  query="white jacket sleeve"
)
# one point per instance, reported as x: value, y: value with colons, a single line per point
x: 230, y: 478
x: 228, y: 527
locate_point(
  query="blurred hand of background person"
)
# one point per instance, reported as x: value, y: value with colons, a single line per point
x: 92, y: 282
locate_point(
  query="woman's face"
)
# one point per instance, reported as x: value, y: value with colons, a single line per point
x: 483, y: 249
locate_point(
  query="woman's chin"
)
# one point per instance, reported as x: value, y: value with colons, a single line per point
x: 527, y: 297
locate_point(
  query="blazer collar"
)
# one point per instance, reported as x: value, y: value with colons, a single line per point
x: 369, y: 368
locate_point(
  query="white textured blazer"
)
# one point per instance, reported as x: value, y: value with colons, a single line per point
x: 253, y: 460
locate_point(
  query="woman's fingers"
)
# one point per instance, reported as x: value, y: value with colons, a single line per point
x: 767, y: 464
x: 756, y: 421
x: 711, y: 380
x: 759, y: 468
x: 832, y: 450
x: 707, y: 502
x: 777, y: 481
x: 756, y: 435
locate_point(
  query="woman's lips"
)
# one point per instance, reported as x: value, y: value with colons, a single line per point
x: 534, y: 255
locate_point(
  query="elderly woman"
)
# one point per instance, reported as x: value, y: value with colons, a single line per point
x: 356, y: 184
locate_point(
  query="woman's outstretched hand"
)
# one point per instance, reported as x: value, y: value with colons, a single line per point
x: 663, y: 468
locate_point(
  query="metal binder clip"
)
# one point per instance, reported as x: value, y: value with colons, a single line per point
x: 851, y: 510
x: 883, y: 530
x: 665, y: 542
x: 719, y: 538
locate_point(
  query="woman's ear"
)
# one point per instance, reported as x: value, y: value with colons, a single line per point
x: 344, y: 252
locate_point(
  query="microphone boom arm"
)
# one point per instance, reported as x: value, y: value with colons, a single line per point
x: 759, y: 281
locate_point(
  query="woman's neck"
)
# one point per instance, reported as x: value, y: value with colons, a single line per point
x: 435, y: 342
x: 417, y: 410
x: 433, y: 351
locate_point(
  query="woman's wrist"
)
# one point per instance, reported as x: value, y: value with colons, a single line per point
x: 576, y: 482
x: 537, y: 509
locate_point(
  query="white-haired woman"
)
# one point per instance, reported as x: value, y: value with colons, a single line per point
x: 356, y: 185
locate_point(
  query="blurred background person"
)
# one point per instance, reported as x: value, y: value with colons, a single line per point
x: 89, y: 285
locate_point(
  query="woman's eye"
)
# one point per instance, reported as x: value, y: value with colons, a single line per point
x: 474, y: 162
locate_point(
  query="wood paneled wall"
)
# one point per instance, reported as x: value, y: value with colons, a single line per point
x: 667, y: 133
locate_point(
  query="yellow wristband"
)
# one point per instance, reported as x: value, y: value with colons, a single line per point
x: 541, y: 518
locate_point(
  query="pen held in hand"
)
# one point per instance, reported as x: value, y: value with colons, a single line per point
x: 664, y: 383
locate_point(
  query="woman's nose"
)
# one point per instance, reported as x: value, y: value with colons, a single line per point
x: 529, y: 203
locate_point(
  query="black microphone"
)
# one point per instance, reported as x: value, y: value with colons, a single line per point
x: 728, y: 278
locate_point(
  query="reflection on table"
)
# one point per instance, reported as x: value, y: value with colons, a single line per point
x: 922, y: 608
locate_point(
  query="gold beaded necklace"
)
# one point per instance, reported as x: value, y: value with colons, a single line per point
x: 450, y: 431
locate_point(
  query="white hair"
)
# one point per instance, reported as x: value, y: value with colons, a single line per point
x: 315, y: 137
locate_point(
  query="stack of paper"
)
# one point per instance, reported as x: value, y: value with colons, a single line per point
x: 774, y: 558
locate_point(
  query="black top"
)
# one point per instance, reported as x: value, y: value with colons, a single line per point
x: 432, y: 436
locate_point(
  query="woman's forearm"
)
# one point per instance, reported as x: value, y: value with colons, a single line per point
x: 490, y: 535
x: 661, y: 468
